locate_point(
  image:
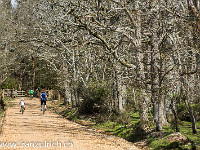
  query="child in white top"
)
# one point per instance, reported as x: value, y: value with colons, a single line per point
x: 22, y: 103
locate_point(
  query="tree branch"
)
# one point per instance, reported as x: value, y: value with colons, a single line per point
x: 162, y: 78
x: 93, y: 33
x: 126, y: 11
x: 194, y: 10
x: 189, y: 73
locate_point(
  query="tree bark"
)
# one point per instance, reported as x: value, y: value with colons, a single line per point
x: 67, y: 94
x: 114, y: 93
x: 144, y: 101
x: 120, y: 96
x: 144, y: 110
x: 33, y: 65
x: 192, y: 118
x: 20, y: 82
x: 159, y: 114
x: 175, y: 122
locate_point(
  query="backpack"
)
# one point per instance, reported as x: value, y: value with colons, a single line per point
x: 43, y: 96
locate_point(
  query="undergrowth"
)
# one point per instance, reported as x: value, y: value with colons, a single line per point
x: 128, y: 126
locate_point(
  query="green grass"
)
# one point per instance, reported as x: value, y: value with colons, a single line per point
x: 1, y: 113
x: 158, y: 143
x: 164, y: 144
x: 70, y: 114
x: 8, y: 101
x: 114, y: 128
x: 133, y: 132
x: 186, y: 130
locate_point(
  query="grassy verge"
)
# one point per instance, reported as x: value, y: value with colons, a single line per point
x: 130, y: 129
x: 8, y: 102
x: 163, y: 142
x: 1, y: 114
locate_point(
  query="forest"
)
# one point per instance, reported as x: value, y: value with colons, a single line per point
x: 108, y: 58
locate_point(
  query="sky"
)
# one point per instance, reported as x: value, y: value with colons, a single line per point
x: 14, y: 3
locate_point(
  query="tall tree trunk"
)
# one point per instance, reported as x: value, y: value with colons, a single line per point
x: 115, y: 88
x: 33, y: 65
x: 20, y: 82
x: 157, y: 73
x: 67, y: 94
x: 159, y: 119
x: 144, y: 101
x: 114, y: 93
x: 2, y: 98
x: 120, y: 94
x: 159, y: 112
x: 175, y: 122
x: 67, y: 99
x: 161, y: 115
x: 144, y: 107
x: 192, y: 118
x: 72, y: 100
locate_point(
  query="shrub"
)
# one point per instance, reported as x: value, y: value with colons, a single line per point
x: 183, y: 114
x: 94, y: 98
x: 123, y: 118
x: 137, y: 133
x: 196, y: 110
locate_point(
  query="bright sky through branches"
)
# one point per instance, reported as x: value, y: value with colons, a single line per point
x: 14, y: 3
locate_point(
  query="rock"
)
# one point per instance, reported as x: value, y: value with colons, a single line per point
x: 177, y: 137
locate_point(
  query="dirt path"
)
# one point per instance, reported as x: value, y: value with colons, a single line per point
x: 32, y: 130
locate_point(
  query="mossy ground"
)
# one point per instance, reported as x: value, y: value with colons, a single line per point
x: 132, y: 130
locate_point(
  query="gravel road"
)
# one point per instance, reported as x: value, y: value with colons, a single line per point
x: 33, y: 130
